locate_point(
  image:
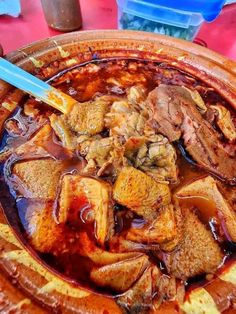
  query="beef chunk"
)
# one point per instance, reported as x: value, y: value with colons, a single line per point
x: 198, y: 253
x: 165, y: 111
x: 120, y: 276
x: 175, y: 114
x: 140, y: 193
x: 39, y: 178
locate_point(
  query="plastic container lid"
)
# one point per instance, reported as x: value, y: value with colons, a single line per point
x: 209, y: 9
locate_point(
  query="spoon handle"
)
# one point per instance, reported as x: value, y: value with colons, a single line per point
x: 25, y: 81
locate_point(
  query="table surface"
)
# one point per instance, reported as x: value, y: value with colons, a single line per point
x: 219, y: 35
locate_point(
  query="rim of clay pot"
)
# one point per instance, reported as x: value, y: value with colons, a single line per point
x: 42, y: 283
x: 199, y: 61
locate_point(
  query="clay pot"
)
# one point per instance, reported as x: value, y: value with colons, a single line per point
x: 29, y: 285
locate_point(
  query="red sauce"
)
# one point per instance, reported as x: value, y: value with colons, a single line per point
x: 83, y: 83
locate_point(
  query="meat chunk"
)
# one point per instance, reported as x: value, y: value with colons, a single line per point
x: 175, y: 114
x: 124, y: 120
x: 62, y: 130
x: 99, y: 256
x: 120, y: 244
x: 164, y: 109
x: 88, y: 117
x: 203, y: 144
x: 140, y: 193
x: 153, y: 155
x: 176, y: 241
x: 196, y: 97
x: 80, y: 194
x: 207, y: 188
x: 99, y: 151
x: 168, y: 288
x: 43, y: 232
x: 99, y: 155
x: 120, y: 276
x: 198, y: 253
x: 38, y: 178
x: 225, y: 122
x: 136, y: 94
x: 139, y: 297
x: 161, y: 230
x: 42, y: 145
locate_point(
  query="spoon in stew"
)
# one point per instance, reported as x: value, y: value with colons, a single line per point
x: 30, y: 84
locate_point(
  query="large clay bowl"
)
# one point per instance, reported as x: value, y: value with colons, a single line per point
x: 27, y: 285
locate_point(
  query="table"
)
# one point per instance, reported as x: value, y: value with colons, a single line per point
x: 219, y: 35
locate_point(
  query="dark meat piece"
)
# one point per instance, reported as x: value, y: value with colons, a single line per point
x: 199, y: 253
x: 174, y: 114
x: 164, y: 108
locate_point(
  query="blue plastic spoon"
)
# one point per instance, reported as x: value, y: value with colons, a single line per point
x: 25, y: 81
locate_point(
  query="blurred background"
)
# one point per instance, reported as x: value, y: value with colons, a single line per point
x: 22, y: 22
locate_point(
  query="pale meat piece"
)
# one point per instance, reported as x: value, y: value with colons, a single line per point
x: 37, y: 142
x: 38, y: 178
x: 62, y: 130
x: 88, y: 117
x: 41, y: 145
x: 121, y: 244
x: 139, y: 297
x: 225, y: 122
x: 99, y: 256
x: 136, y: 95
x: 124, y: 120
x: 154, y: 155
x: 172, y: 244
x: 82, y: 193
x: 99, y: 151
x: 120, y: 276
x: 160, y: 230
x: 99, y: 155
x: 196, y: 97
x: 105, y: 156
x: 207, y: 188
x: 140, y: 193
x: 43, y: 232
x: 170, y: 288
x: 198, y: 253
x: 173, y: 113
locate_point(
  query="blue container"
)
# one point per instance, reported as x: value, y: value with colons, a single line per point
x: 177, y: 18
x: 10, y: 7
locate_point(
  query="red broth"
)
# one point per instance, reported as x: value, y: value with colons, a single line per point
x: 83, y: 83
